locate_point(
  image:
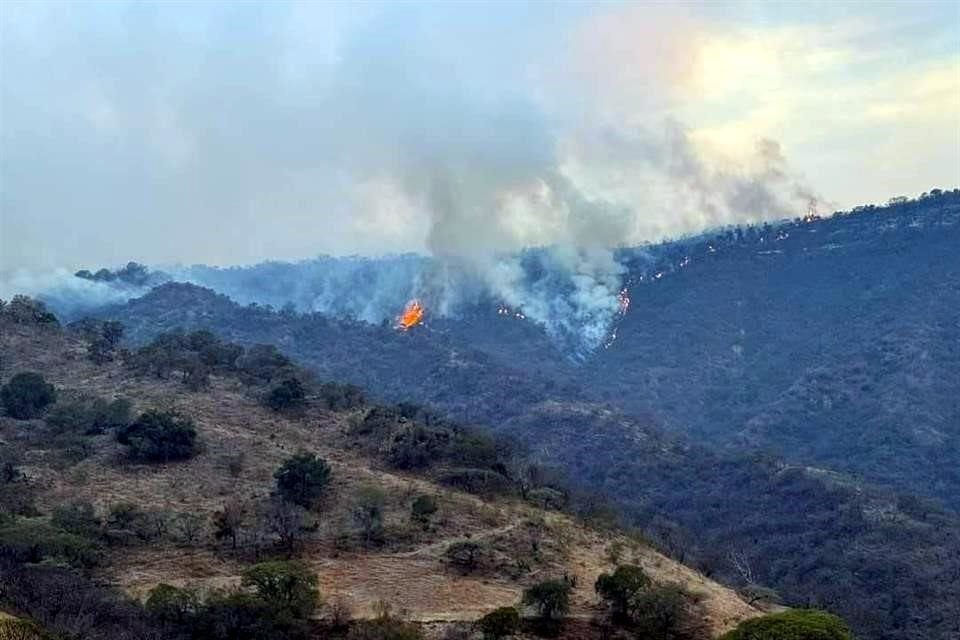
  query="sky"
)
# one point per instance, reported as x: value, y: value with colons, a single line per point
x: 231, y: 133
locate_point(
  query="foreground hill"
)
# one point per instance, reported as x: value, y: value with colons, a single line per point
x: 169, y: 508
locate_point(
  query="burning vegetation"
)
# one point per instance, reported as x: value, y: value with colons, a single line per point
x: 412, y: 315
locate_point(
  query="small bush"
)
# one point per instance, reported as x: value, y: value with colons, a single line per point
x: 235, y: 615
x: 262, y: 364
x: 465, y: 555
x: 302, y: 479
x: 89, y: 416
x: 423, y: 508
x: 341, y: 397
x: 159, y: 436
x: 621, y: 589
x: 78, y: 518
x: 482, y: 482
x: 472, y: 449
x: 26, y: 395
x: 499, y: 623
x: 550, y: 598
x: 378, y: 421
x: 800, y: 624
x: 368, y: 506
x: 661, y: 612
x: 417, y: 447
x: 127, y: 523
x: 384, y: 628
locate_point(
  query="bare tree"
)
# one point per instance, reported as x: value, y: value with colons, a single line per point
x: 288, y: 522
x: 230, y: 521
x: 189, y: 526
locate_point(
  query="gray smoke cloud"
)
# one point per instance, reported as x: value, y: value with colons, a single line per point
x: 238, y: 133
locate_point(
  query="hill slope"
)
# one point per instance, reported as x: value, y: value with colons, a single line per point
x: 243, y: 443
x: 801, y: 366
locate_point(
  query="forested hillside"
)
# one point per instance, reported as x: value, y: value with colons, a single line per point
x: 768, y: 394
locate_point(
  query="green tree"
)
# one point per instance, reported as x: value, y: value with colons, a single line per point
x: 289, y: 394
x: 551, y: 598
x: 799, y: 624
x: 499, y: 623
x: 621, y: 588
x: 368, y: 506
x: 302, y: 479
x: 26, y: 395
x: 159, y: 436
x: 289, y: 588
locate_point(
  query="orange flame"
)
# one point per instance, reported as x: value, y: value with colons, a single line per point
x: 412, y: 315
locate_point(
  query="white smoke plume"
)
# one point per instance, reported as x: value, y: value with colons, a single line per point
x: 456, y: 134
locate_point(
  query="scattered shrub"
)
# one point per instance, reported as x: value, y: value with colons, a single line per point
x: 423, y: 508
x: 547, y: 498
x: 341, y: 397
x: 482, y: 482
x: 470, y: 448
x: 16, y: 495
x: 367, y: 513
x: 26, y: 395
x: 465, y: 555
x: 499, y: 623
x: 89, y: 415
x: 235, y: 615
x: 159, y: 436
x: 384, y: 628
x: 302, y: 479
x: 104, y: 338
x: 25, y: 310
x: 78, y: 518
x: 229, y: 521
x: 378, y: 421
x: 550, y: 598
x: 173, y: 605
x: 262, y: 364
x: 33, y: 541
x: 416, y: 447
x: 189, y: 527
x: 289, y: 394
x: 661, y: 613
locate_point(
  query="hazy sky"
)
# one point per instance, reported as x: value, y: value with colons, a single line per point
x: 236, y: 132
